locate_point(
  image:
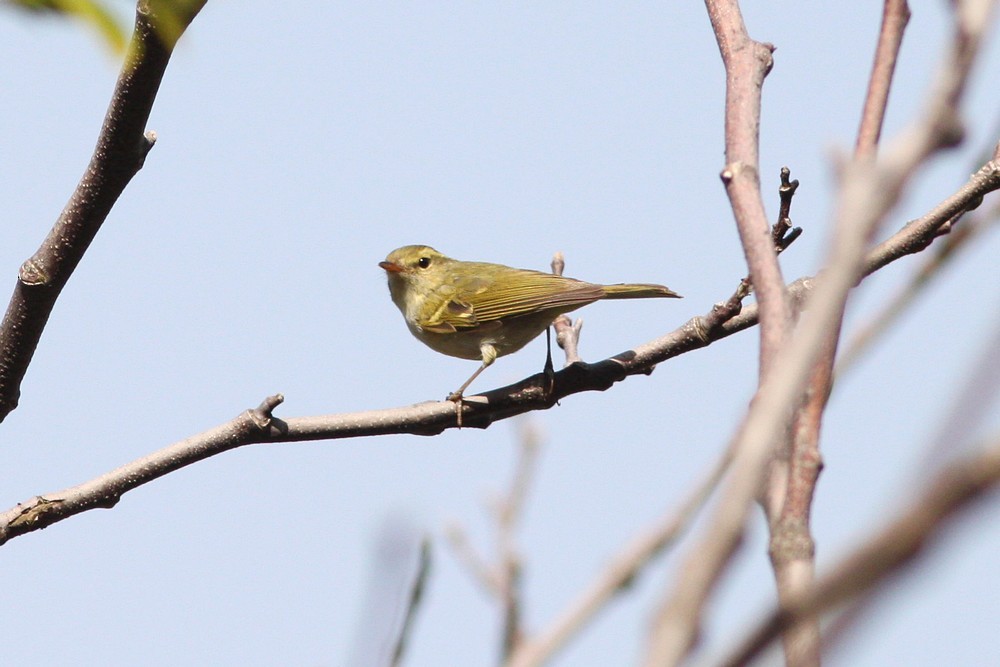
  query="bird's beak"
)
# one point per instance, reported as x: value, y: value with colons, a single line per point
x: 391, y: 267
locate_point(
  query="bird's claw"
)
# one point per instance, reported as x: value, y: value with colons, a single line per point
x: 456, y: 398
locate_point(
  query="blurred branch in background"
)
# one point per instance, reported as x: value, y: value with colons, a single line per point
x: 622, y: 570
x: 399, y: 570
x: 965, y: 471
x: 95, y: 14
x: 956, y: 239
x: 502, y: 579
x: 918, y: 528
x: 172, y: 17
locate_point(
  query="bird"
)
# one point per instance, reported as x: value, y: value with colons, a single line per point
x: 482, y: 311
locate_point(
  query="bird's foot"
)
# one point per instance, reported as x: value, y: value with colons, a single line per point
x: 456, y: 398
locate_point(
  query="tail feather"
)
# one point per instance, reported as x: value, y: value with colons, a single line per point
x: 638, y: 291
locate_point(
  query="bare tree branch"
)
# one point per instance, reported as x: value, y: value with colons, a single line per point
x: 955, y: 489
x: 788, y: 492
x: 957, y: 240
x: 870, y: 189
x: 917, y: 234
x: 503, y: 579
x: 105, y: 491
x: 895, y: 16
x: 747, y: 63
x: 120, y: 152
x: 791, y: 482
x: 413, y: 601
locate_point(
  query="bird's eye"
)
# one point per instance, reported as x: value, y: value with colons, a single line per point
x: 424, y: 262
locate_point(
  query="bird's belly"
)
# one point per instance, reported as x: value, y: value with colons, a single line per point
x: 467, y: 344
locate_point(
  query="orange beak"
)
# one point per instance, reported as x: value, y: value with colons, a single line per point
x: 391, y: 267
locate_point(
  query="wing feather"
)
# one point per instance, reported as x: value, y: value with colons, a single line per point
x: 525, y: 292
x: 483, y: 294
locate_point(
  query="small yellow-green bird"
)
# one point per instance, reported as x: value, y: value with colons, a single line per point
x: 481, y: 311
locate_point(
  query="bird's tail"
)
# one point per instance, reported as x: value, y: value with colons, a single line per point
x: 638, y: 291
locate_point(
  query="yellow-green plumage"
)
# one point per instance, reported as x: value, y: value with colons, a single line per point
x: 477, y: 310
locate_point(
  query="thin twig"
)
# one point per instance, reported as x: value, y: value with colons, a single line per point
x: 919, y: 233
x: 895, y: 16
x: 782, y: 236
x: 413, y: 601
x: 951, y: 246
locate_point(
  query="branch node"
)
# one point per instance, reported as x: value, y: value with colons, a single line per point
x: 568, y: 337
x: 145, y: 145
x: 724, y: 311
x: 33, y: 273
x: 262, y: 414
x: 558, y: 263
x: 788, y: 187
x: 766, y: 56
x: 701, y: 326
x: 782, y: 233
x: 34, y: 512
x: 789, y: 238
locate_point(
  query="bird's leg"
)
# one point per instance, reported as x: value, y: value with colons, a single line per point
x: 457, y: 394
x: 549, y: 371
x: 489, y: 356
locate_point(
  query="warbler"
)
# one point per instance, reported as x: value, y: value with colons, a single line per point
x: 481, y: 311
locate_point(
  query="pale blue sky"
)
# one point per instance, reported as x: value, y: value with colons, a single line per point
x: 298, y: 144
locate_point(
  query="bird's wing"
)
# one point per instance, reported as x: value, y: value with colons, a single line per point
x: 523, y: 292
x: 478, y: 302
